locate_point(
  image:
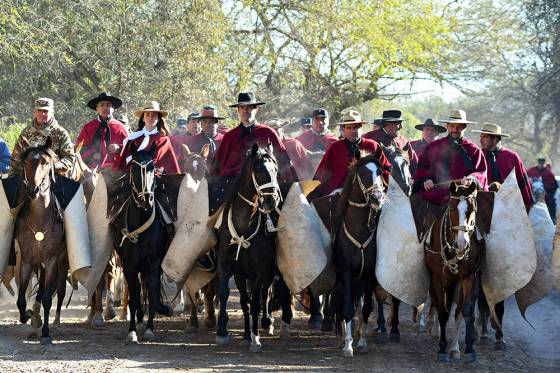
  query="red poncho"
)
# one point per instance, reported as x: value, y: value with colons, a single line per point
x: 94, y: 142
x: 333, y: 169
x: 300, y: 159
x: 548, y: 178
x: 419, y: 147
x: 505, y: 161
x: 442, y: 161
x: 163, y: 157
x: 315, y: 143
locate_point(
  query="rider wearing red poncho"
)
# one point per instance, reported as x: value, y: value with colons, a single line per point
x: 151, y: 129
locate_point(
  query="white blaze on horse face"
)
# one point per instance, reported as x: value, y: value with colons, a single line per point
x: 374, y: 177
x: 271, y: 168
x: 195, y: 165
x: 462, y: 235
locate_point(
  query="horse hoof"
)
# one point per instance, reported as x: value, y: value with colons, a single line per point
x: 470, y: 357
x: 285, y: 330
x: 484, y: 336
x: 210, y: 323
x: 97, y: 322
x: 45, y: 341
x: 191, y: 329
x: 266, y: 323
x: 314, y: 324
x: 270, y: 330
x: 255, y: 347
x: 500, y: 346
x: 362, y: 347
x: 110, y: 314
x: 166, y: 311
x: 456, y: 355
x: 381, y: 338
x: 395, y: 337
x: 149, y: 335
x: 132, y: 338
x: 36, y: 321
x: 56, y: 321
x: 348, y: 352
x: 327, y: 326
x: 124, y: 316
x: 223, y: 340
x: 443, y: 357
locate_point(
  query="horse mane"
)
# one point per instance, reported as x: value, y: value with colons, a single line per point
x: 245, y: 169
x: 342, y: 204
x: 42, y: 148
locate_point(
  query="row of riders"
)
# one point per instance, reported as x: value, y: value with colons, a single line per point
x: 247, y: 189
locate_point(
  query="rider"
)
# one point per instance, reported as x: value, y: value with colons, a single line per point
x: 209, y: 135
x: 44, y: 125
x: 186, y: 128
x: 235, y: 144
x: 151, y: 129
x: 430, y: 131
x: 501, y: 160
x: 550, y: 185
x: 451, y: 158
x: 100, y: 140
x: 319, y: 137
x: 333, y: 169
x: 388, y: 135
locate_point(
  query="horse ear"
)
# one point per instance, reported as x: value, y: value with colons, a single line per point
x: 153, y: 149
x: 471, y: 188
x: 48, y: 142
x: 205, y: 151
x: 185, y: 149
x: 357, y: 154
x: 255, y: 149
x: 406, y: 147
x: 269, y: 147
x: 133, y: 149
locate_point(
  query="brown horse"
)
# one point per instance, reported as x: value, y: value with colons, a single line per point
x: 453, y: 256
x: 39, y: 231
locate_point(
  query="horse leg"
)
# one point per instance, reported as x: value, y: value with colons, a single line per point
x: 256, y: 291
x: 455, y: 349
x: 192, y: 325
x: 285, y: 299
x: 222, y: 336
x: 267, y: 322
x: 110, y: 273
x: 366, y: 312
x: 327, y: 325
x: 500, y: 343
x: 348, y: 313
x: 442, y: 301
x: 60, y: 287
x: 124, y: 297
x: 152, y: 287
x: 316, y: 317
x: 36, y: 321
x: 484, y: 315
x: 381, y: 337
x: 209, y: 310
x: 395, y: 335
x: 25, y: 276
x: 97, y: 305
x: 50, y: 283
x: 244, y: 300
x: 470, y: 294
x: 134, y: 302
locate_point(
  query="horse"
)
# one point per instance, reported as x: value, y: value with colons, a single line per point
x: 246, y: 246
x: 354, y: 251
x: 453, y: 255
x: 142, y: 241
x: 40, y: 233
x: 401, y: 166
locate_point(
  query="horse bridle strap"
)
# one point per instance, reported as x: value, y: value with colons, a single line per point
x: 133, y: 236
x: 358, y: 244
x: 236, y: 239
x: 143, y: 172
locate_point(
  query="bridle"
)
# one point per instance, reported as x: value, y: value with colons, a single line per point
x: 450, y: 244
x: 139, y: 194
x: 367, y: 194
x: 45, y: 182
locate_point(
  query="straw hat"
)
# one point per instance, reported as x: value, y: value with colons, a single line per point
x: 457, y: 116
x: 491, y: 129
x: 150, y: 106
x: 351, y: 117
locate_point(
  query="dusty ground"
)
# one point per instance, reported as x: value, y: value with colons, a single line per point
x: 79, y: 348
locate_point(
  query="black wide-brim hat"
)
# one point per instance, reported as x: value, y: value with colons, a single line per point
x: 246, y: 99
x: 430, y: 123
x: 391, y: 116
x: 92, y: 104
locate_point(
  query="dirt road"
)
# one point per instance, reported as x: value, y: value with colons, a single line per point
x: 79, y: 348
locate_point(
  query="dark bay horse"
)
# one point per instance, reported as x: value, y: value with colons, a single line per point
x: 356, y: 217
x: 246, y: 245
x: 39, y: 231
x: 142, y: 241
x: 454, y: 258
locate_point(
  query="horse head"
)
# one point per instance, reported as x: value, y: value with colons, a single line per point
x: 367, y: 183
x: 462, y: 214
x: 260, y: 174
x: 38, y: 168
x: 195, y: 164
x: 142, y: 176
x: 401, y: 166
